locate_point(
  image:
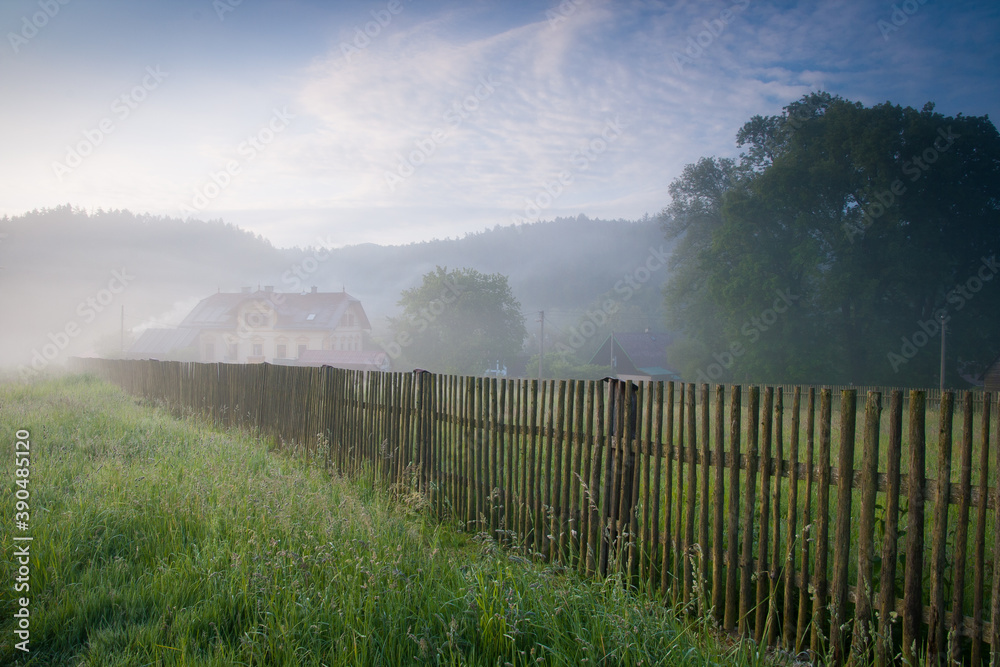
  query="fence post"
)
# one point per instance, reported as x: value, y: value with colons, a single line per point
x: 936, y: 626
x: 887, y: 591
x: 555, y: 468
x: 733, y: 525
x: 774, y: 618
x: 588, y: 496
x: 913, y: 594
x: 842, y: 536
x: 633, y: 452
x: 646, y: 448
x: 962, y: 529
x: 718, y: 501
x: 575, y: 475
x: 598, y: 556
x: 790, y: 611
x: 534, y: 497
x: 819, y: 618
x: 861, y: 645
x: 692, y: 494
x: 979, y: 548
x: 747, y: 599
x: 666, y: 563
x: 763, y: 602
x: 657, y: 437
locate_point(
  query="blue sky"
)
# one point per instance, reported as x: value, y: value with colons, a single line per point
x: 286, y: 118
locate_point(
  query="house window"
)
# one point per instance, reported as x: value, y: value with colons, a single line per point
x: 258, y: 350
x: 302, y: 348
x: 281, y: 352
x: 209, y: 351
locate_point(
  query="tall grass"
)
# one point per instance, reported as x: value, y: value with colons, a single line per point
x: 164, y: 542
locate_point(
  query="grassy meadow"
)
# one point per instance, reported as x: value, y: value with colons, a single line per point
x: 159, y: 541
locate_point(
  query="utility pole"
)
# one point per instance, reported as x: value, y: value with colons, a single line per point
x: 612, y: 352
x: 541, y: 342
x: 944, y: 327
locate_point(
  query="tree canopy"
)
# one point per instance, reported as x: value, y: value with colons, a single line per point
x: 459, y: 321
x: 832, y: 248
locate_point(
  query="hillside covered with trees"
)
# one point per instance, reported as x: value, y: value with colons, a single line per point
x: 54, y: 260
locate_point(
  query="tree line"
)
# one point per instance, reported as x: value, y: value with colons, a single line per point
x: 833, y: 248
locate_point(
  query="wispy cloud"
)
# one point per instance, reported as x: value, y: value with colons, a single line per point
x: 556, y: 83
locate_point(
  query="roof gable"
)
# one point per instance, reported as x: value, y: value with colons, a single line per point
x: 636, y: 353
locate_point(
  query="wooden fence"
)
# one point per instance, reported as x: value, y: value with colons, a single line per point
x: 763, y: 507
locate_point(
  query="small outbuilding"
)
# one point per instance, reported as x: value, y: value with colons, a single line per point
x: 637, y: 356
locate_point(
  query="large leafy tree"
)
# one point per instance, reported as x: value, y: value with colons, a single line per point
x: 861, y: 225
x: 458, y: 321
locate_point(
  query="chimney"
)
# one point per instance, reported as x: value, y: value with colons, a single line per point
x: 314, y: 289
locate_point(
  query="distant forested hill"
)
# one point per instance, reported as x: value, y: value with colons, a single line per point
x: 53, y: 261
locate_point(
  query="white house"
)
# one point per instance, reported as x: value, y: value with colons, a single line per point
x: 282, y: 328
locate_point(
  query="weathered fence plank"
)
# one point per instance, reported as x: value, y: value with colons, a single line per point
x: 842, y: 534
x: 748, y: 599
x: 862, y: 641
x: 913, y: 601
x: 937, y: 624
x: 887, y: 591
x: 979, y: 545
x: 818, y: 642
x: 733, y: 514
x: 791, y: 595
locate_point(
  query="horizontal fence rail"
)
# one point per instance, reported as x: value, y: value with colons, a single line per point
x: 859, y: 527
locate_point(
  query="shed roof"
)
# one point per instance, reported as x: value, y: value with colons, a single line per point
x: 161, y: 342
